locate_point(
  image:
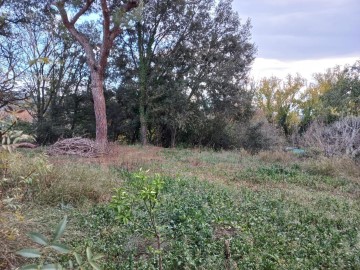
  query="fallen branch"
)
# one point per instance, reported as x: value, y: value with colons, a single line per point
x: 25, y: 145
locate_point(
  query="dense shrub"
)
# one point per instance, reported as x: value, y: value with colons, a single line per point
x: 259, y: 135
x: 340, y: 138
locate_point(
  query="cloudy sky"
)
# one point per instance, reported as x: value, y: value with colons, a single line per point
x: 304, y: 36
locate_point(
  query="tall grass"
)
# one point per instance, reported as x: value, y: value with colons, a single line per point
x: 52, y: 183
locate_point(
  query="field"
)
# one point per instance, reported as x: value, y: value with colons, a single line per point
x: 185, y: 209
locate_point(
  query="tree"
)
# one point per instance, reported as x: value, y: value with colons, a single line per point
x: 278, y: 99
x: 311, y: 102
x: 159, y: 34
x: 11, y: 14
x: 55, y: 71
x: 183, y: 56
x: 343, y: 95
x: 97, y: 61
x: 333, y: 94
x: 9, y: 72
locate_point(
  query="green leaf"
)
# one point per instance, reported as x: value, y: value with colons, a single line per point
x: 60, y: 248
x: 30, y: 267
x: 95, y: 265
x: 16, y: 133
x: 88, y: 254
x: 60, y: 229
x: 29, y: 253
x: 71, y: 265
x: 78, y: 258
x: 32, y: 62
x: 52, y: 267
x: 98, y: 257
x: 38, y: 238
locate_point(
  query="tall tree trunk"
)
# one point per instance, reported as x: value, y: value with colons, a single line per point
x: 173, y: 137
x: 143, y: 77
x: 143, y: 124
x: 143, y: 99
x: 97, y: 90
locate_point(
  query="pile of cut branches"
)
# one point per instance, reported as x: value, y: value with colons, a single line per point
x: 74, y: 146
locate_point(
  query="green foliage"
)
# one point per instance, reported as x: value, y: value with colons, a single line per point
x: 266, y: 229
x: 278, y: 99
x: 48, y: 253
x: 276, y: 211
x: 11, y: 138
x: 343, y: 96
x: 146, y: 190
x: 319, y: 180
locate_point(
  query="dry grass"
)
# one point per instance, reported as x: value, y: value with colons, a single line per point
x: 28, y: 183
x: 335, y: 167
x: 51, y: 183
x: 13, y: 229
x: 277, y: 156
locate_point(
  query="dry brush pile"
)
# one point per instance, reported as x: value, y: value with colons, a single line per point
x: 74, y: 146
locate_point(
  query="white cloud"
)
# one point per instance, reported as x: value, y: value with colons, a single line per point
x: 264, y: 67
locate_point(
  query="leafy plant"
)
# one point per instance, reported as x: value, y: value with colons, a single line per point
x: 12, y: 137
x: 149, y: 195
x: 51, y: 248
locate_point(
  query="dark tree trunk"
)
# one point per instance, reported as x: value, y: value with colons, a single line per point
x: 100, y: 110
x: 173, y: 137
x: 143, y: 115
x: 143, y: 130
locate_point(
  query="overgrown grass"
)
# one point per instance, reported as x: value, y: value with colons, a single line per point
x: 48, y: 183
x: 30, y: 184
x: 266, y: 231
x: 279, y: 211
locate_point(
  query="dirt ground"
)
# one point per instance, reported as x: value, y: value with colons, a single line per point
x: 128, y: 156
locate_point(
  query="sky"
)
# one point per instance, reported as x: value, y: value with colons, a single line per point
x: 304, y: 36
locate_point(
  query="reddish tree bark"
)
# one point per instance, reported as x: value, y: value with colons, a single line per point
x: 97, y: 65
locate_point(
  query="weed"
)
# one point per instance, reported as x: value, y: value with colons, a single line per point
x: 49, y: 183
x: 263, y: 230
x: 290, y: 217
x: 336, y: 166
x: 277, y: 157
x: 148, y: 193
x: 48, y: 255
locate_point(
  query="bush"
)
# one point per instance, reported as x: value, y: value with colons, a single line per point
x: 339, y: 138
x: 259, y: 135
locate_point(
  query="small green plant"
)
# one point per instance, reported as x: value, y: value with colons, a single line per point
x: 11, y: 139
x: 50, y: 250
x: 149, y: 195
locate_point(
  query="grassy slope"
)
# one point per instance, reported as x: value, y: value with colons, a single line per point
x: 278, y: 211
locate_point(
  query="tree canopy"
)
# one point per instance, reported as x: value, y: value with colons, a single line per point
x: 157, y: 71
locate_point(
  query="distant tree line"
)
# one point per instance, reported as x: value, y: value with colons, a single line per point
x: 293, y: 104
x: 169, y: 73
x: 323, y: 114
